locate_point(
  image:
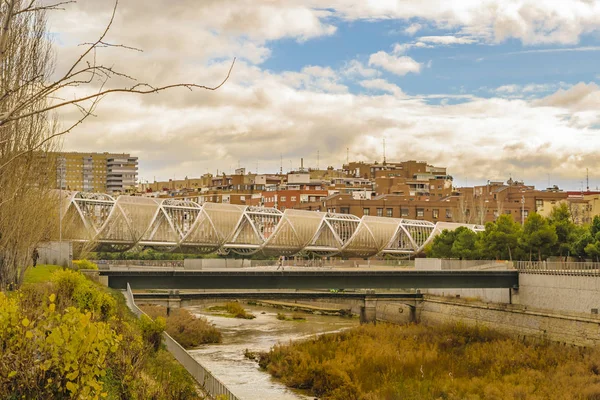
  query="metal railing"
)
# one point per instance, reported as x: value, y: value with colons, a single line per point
x: 559, y: 268
x: 209, y: 383
x: 140, y: 263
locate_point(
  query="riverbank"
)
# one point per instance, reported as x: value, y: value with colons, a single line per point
x: 450, y: 361
x: 61, y: 335
x: 241, y: 375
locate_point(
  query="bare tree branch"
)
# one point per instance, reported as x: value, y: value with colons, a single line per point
x: 133, y: 89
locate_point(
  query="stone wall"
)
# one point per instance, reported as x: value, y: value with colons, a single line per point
x: 515, y: 320
x: 56, y: 253
x: 559, y: 292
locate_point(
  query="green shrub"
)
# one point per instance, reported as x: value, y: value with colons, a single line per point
x: 236, y: 309
x: 188, y: 330
x: 84, y: 264
x: 152, y: 329
x: 72, y: 338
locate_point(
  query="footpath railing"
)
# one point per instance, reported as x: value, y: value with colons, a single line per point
x: 210, y: 384
x: 559, y: 268
x: 144, y: 263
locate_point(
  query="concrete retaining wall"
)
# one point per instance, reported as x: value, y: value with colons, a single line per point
x: 56, y: 253
x: 485, y: 295
x: 559, y: 292
x: 515, y: 320
x: 201, y: 263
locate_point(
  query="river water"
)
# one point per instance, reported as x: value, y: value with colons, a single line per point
x: 242, y: 376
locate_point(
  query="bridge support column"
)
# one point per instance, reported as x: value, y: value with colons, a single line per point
x: 415, y: 311
x: 513, y: 295
x: 368, y: 312
x: 174, y: 301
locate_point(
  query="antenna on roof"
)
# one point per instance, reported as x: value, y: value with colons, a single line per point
x: 587, y: 179
x: 317, y: 160
x: 347, y: 155
x: 383, y: 151
x: 280, y: 164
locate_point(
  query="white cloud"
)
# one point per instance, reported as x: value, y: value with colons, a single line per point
x: 356, y: 69
x: 397, y: 65
x: 446, y: 40
x: 531, y: 22
x: 383, y: 85
x: 413, y: 28
x: 508, y: 89
x: 259, y: 114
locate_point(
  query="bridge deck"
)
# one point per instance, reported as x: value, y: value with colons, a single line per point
x: 312, y: 279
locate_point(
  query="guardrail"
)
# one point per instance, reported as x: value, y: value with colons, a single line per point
x: 559, y: 268
x: 210, y: 384
x: 144, y: 263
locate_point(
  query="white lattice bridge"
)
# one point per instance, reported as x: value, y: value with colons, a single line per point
x: 169, y: 224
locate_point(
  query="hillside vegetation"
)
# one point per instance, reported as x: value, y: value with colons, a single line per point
x: 452, y: 362
x: 71, y: 338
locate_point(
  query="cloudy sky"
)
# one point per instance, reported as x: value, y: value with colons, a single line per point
x: 488, y: 88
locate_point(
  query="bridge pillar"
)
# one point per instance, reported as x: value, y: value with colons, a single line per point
x: 174, y: 301
x: 415, y: 311
x: 513, y: 295
x: 368, y: 312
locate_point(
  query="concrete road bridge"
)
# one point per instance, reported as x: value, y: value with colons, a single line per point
x: 119, y: 224
x: 309, y: 279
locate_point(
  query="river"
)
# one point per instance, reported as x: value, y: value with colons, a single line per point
x: 242, y: 376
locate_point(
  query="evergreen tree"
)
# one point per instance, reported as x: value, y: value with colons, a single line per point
x: 538, y: 236
x: 566, y: 230
x: 501, y: 238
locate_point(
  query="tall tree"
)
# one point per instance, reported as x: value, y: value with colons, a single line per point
x: 501, y: 238
x: 441, y: 246
x: 566, y: 231
x: 538, y: 236
x: 464, y: 246
x: 28, y: 96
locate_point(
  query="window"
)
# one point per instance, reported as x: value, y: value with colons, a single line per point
x: 420, y: 212
x: 293, y: 198
x: 435, y: 213
x: 404, y: 211
x: 507, y: 212
x: 366, y: 211
x: 282, y: 198
x: 380, y: 212
x: 448, y: 213
x: 345, y: 210
x: 389, y: 212
x: 539, y: 204
x: 525, y: 213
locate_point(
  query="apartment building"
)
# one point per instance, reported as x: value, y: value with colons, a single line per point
x: 475, y: 205
x: 96, y: 172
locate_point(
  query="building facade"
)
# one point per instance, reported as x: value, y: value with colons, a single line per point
x: 96, y: 172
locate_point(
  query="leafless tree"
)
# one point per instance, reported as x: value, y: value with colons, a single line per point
x: 29, y: 98
x: 462, y: 212
x: 481, y: 209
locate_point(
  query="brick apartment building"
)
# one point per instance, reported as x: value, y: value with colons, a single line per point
x: 476, y: 205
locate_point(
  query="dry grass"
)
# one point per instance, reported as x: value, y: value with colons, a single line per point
x: 187, y: 329
x: 448, y: 362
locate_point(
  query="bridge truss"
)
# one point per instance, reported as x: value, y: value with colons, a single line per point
x: 170, y: 224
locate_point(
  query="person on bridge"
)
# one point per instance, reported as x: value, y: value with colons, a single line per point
x: 280, y: 264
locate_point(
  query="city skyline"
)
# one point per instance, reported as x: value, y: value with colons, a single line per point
x: 488, y: 89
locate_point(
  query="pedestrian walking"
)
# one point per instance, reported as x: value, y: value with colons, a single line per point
x: 34, y: 256
x: 280, y: 264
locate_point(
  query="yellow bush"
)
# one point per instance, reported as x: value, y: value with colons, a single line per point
x: 55, y: 355
x: 84, y: 264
